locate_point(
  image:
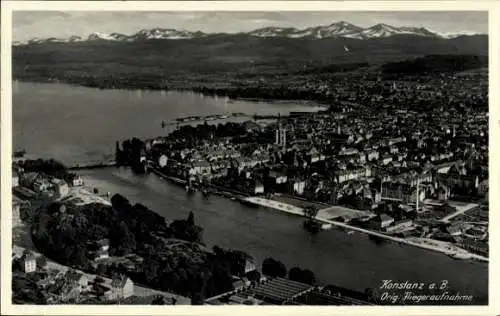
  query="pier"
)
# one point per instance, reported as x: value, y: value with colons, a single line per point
x: 93, y: 165
x: 417, y: 242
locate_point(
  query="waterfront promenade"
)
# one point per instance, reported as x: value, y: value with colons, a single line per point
x: 424, y: 243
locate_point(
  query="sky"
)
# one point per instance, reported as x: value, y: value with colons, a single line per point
x: 30, y: 24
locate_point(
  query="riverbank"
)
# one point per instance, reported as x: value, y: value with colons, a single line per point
x: 434, y: 245
x: 263, y: 233
x: 217, y: 190
x: 325, y: 216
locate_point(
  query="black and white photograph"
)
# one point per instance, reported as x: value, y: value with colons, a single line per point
x: 276, y: 158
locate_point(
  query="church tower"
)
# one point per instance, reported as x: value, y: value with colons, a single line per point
x: 280, y: 138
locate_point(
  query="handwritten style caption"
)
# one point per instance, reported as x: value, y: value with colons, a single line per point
x: 413, y: 293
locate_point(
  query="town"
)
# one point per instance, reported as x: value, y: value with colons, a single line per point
x: 418, y: 172
x: 402, y: 160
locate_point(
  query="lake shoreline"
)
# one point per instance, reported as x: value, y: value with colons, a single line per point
x: 239, y: 95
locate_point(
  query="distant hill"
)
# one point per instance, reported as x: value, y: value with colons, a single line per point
x: 436, y: 64
x: 225, y: 53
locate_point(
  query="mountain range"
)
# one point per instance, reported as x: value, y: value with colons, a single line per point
x: 340, y: 29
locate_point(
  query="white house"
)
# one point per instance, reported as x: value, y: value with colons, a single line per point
x: 15, y: 179
x: 299, y: 186
x: 28, y: 262
x: 77, y: 181
x: 483, y: 187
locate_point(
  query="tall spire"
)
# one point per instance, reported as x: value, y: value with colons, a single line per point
x: 418, y: 197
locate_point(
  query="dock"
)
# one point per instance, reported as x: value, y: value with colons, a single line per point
x: 93, y: 165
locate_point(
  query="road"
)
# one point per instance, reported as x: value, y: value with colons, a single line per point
x: 460, y: 211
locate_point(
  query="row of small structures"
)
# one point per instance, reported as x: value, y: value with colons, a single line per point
x: 280, y: 291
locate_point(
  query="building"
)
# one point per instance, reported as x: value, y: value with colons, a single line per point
x: 372, y: 155
x: 299, y: 187
x: 76, y: 279
x: 258, y: 188
x: 352, y: 174
x: 402, y: 192
x: 121, y: 287
x: 382, y: 221
x: 61, y: 188
x: 162, y: 161
x: 483, y: 187
x: 249, y: 265
x: 280, y: 137
x: 279, y: 176
x: 399, y: 225
x: 201, y: 167
x: 28, y: 262
x: 101, y: 255
x: 77, y: 181
x: 101, y: 250
x: 103, y: 244
x: 15, y: 179
x: 16, y: 211
x: 457, y: 176
x: 276, y: 291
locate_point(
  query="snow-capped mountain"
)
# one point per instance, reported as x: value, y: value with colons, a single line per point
x: 340, y: 29
x: 108, y: 37
x: 384, y: 30
x: 158, y: 33
x: 274, y: 32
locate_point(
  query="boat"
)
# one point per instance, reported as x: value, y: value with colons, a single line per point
x: 326, y: 226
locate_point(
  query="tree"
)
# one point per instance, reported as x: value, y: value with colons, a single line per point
x: 311, y: 211
x: 308, y: 277
x: 190, y: 219
x: 120, y: 203
x: 197, y: 299
x: 273, y: 268
x: 101, y: 269
x: 41, y: 262
x: 158, y: 300
x: 369, y: 293
x: 295, y: 274
x: 79, y: 257
x: 99, y: 280
x: 253, y: 276
x: 124, y: 241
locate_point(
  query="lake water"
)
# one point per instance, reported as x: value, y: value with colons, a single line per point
x: 77, y: 124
